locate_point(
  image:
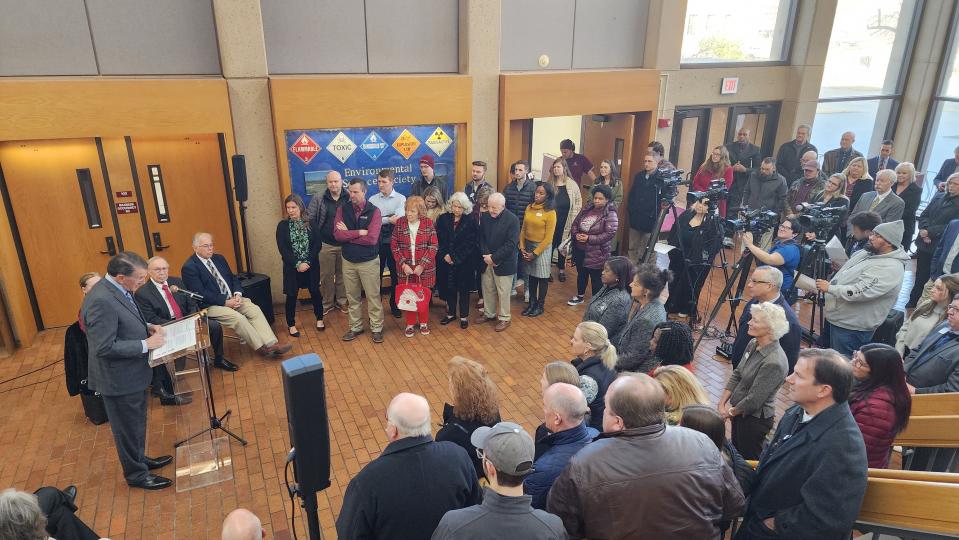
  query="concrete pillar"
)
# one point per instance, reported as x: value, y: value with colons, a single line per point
x: 480, y: 28
x: 239, y: 26
x: 663, y: 51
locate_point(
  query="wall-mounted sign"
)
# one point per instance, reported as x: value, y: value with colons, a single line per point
x: 127, y: 207
x: 730, y: 85
x: 363, y: 152
x: 124, y: 193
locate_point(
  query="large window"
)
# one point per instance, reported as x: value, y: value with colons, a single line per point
x: 737, y: 31
x: 862, y: 79
x: 942, y: 135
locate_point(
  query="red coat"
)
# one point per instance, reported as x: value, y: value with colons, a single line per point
x: 426, y: 244
x: 701, y: 183
x: 875, y: 414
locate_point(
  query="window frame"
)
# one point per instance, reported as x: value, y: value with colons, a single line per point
x: 785, y: 59
x: 937, y: 98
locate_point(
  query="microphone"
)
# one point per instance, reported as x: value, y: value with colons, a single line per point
x: 191, y: 294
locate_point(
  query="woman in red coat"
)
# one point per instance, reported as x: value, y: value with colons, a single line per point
x: 716, y: 167
x: 414, y: 248
x: 880, y: 401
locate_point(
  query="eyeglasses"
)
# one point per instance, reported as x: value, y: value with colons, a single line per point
x: 751, y: 280
x: 206, y: 246
x: 859, y: 361
x: 951, y: 308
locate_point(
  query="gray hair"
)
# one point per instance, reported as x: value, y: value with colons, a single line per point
x: 774, y: 275
x: 198, y: 236
x: 807, y: 126
x: 887, y: 173
x: 567, y: 400
x: 407, y: 423
x: 497, y: 197
x: 21, y: 517
x: 461, y: 199
x: 773, y: 315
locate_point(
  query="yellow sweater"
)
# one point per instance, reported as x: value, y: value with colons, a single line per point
x: 538, y: 226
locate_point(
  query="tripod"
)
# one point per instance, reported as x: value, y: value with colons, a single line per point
x: 216, y: 422
x: 819, y: 271
x: 650, y: 247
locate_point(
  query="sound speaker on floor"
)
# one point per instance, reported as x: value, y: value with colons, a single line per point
x: 305, y: 392
x: 239, y: 177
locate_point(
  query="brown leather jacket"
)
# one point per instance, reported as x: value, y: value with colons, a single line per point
x: 650, y: 482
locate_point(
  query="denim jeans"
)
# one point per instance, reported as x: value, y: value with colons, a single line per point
x: 845, y: 341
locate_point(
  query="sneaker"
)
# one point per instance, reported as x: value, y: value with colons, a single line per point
x: 447, y: 319
x: 409, y: 331
x: 424, y: 329
x: 327, y: 310
x: 520, y: 283
x: 575, y: 301
x: 378, y: 337
x: 351, y: 334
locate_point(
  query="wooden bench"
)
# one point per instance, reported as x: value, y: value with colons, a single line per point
x: 909, y: 508
x: 935, y: 404
x: 940, y: 431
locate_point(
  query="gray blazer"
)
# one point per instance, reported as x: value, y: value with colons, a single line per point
x: 610, y: 308
x: 890, y: 209
x: 115, y: 332
x: 633, y: 346
x: 757, y: 378
x: 939, y: 371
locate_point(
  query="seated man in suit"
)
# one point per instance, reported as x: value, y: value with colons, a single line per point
x: 883, y: 161
x: 883, y: 201
x: 209, y: 275
x: 161, y: 301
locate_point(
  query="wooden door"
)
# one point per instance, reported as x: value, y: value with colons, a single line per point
x: 63, y: 213
x: 183, y: 191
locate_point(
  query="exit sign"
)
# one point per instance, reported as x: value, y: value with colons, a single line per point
x: 730, y: 85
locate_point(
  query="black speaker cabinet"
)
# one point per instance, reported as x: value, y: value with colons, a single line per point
x: 256, y: 287
x: 239, y: 177
x: 305, y: 392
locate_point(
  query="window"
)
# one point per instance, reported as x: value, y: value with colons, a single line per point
x: 862, y: 78
x: 941, y: 137
x: 737, y: 31
x: 159, y: 194
x: 89, y: 197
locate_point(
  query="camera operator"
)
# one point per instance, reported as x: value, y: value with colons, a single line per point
x: 860, y: 295
x: 698, y: 236
x: 862, y: 225
x: 765, y: 188
x: 784, y: 254
x: 642, y: 206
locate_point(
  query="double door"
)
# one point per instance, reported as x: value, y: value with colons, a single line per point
x: 696, y: 130
x: 77, y: 202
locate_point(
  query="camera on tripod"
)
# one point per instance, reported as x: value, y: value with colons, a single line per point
x: 755, y: 221
x: 669, y: 181
x: 716, y: 191
x: 820, y: 219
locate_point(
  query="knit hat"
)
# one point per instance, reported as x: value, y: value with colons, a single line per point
x: 428, y: 159
x: 891, y: 231
x: 507, y: 446
x: 811, y: 165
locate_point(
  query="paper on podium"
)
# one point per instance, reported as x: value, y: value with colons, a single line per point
x: 836, y: 251
x: 805, y: 282
x: 178, y: 336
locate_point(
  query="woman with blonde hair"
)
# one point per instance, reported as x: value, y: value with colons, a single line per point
x: 414, y: 245
x: 595, y: 362
x: 435, y: 205
x: 682, y: 389
x: 568, y: 203
x: 475, y: 404
x: 930, y: 312
x: 858, y: 180
x: 715, y: 167
x: 909, y: 191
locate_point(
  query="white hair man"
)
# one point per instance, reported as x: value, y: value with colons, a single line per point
x: 764, y: 286
x: 882, y: 201
x: 499, y: 236
x: 241, y: 524
x: 406, y: 491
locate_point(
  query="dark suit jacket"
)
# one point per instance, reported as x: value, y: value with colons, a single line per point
x: 939, y: 370
x: 948, y: 167
x: 873, y: 164
x: 945, y: 243
x: 790, y: 342
x: 830, y: 160
x: 811, y: 480
x: 198, y: 279
x: 890, y: 209
x: 115, y: 332
x: 153, y: 306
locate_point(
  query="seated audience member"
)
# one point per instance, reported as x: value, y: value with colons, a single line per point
x: 933, y: 367
x: 642, y: 478
x: 930, y: 312
x: 610, y: 306
x: 595, y: 362
x: 208, y: 274
x: 880, y: 400
x: 811, y: 479
x: 883, y: 200
x: 47, y: 513
x: 861, y: 293
x: 475, y: 404
x: 557, y: 372
x: 672, y: 344
x: 749, y: 399
x: 505, y: 512
x: 932, y: 222
x: 647, y: 311
x: 765, y: 285
x: 861, y: 226
x: 241, y: 524
x: 784, y: 253
x: 564, y: 408
x: 406, y: 490
x: 806, y: 187
x: 682, y: 389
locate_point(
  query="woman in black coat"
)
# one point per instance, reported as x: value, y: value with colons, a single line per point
x: 910, y: 192
x: 458, y: 236
x: 595, y: 362
x: 943, y: 208
x: 698, y: 235
x: 299, y: 246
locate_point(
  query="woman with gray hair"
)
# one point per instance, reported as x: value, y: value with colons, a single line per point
x: 749, y: 399
x: 458, y: 235
x: 47, y: 513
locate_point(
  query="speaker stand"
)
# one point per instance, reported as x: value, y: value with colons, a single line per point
x: 308, y: 503
x: 248, y: 267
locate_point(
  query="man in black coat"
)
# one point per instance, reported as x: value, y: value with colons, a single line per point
x: 764, y: 286
x: 945, y: 171
x: 119, y: 340
x: 642, y: 205
x: 745, y: 157
x: 789, y: 156
x: 499, y: 236
x: 406, y: 491
x: 811, y: 479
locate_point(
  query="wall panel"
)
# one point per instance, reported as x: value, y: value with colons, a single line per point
x: 315, y: 36
x: 45, y: 37
x: 535, y: 27
x: 413, y: 36
x: 609, y: 34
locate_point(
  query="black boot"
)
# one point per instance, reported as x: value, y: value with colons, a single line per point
x: 530, y: 308
x: 538, y: 310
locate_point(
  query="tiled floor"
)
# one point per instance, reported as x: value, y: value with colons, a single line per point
x: 46, y: 440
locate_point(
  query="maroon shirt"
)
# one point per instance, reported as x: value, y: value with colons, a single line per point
x: 578, y: 165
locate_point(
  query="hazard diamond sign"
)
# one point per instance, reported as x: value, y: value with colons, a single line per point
x: 406, y: 144
x: 341, y: 146
x: 305, y: 148
x: 439, y: 141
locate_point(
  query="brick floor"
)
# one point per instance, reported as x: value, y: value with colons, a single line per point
x: 46, y: 440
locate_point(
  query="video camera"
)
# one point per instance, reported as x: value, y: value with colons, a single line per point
x: 669, y: 181
x: 755, y: 221
x: 820, y: 219
x: 717, y: 191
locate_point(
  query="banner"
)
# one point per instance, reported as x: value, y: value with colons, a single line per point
x: 363, y: 152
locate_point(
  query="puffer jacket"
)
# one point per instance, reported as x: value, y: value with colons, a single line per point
x: 875, y: 413
x: 594, y: 380
x: 559, y: 449
x: 863, y: 291
x: 599, y: 245
x: 614, y: 486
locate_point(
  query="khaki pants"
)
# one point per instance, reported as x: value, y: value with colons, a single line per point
x: 359, y: 278
x: 331, y: 276
x: 637, y: 242
x: 496, y: 291
x: 247, y: 321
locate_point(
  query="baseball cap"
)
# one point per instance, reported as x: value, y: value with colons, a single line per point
x: 507, y: 446
x: 811, y: 165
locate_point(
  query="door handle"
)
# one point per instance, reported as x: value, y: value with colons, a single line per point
x: 111, y: 247
x: 158, y: 243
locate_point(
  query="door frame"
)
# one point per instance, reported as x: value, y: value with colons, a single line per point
x: 702, y: 132
x: 771, y: 109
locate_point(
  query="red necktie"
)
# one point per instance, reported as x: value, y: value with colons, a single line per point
x: 177, y: 314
